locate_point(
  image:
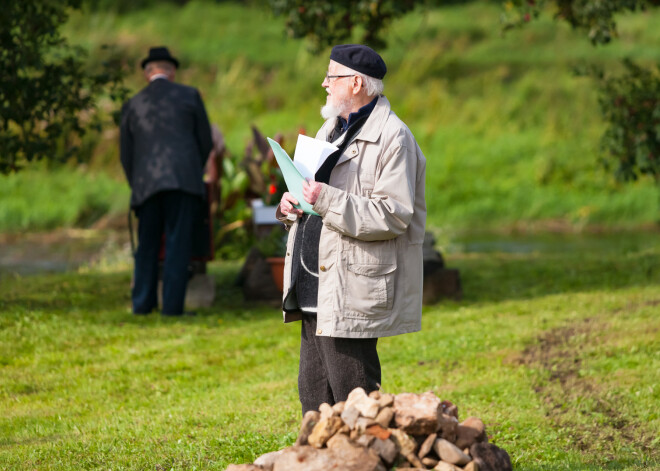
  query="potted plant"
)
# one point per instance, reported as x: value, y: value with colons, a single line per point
x: 272, y: 248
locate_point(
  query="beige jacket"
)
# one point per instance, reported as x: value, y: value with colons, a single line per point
x: 370, y: 251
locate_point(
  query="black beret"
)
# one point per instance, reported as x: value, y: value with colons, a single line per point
x: 361, y: 58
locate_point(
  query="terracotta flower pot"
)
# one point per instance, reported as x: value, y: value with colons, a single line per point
x: 277, y: 270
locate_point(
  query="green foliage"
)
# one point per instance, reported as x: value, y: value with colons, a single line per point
x: 510, y: 134
x: 554, y: 346
x: 274, y: 244
x: 630, y: 103
x: 597, y: 17
x: 326, y: 23
x: 124, y: 6
x: 47, y: 95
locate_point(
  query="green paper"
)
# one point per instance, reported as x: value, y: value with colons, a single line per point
x: 292, y: 176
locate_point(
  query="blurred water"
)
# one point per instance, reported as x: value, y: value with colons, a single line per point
x: 552, y: 242
x: 68, y: 250
x: 47, y: 253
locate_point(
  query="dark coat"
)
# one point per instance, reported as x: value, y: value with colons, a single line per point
x: 165, y: 140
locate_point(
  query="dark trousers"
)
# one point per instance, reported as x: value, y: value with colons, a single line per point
x: 169, y: 212
x: 330, y: 367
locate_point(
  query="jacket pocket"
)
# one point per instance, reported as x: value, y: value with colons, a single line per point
x: 369, y: 290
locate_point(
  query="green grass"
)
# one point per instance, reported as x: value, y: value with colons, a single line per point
x: 555, y: 346
x: 44, y: 199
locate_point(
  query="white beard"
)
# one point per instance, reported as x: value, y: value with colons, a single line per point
x: 332, y: 110
x: 329, y: 111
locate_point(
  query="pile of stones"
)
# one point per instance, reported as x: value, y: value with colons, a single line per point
x: 380, y: 432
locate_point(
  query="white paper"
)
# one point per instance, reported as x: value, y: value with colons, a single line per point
x: 310, y: 155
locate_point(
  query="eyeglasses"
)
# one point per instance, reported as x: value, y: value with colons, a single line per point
x: 328, y: 77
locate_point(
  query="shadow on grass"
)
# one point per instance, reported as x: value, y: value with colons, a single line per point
x: 492, y: 278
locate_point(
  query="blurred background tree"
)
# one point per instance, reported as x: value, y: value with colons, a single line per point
x: 325, y: 23
x: 629, y: 101
x: 48, y: 91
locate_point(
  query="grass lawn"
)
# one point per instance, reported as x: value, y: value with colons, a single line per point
x: 557, y: 349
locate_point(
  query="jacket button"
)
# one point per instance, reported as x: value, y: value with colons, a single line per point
x: 322, y: 268
x: 288, y: 254
x: 319, y: 331
x: 354, y: 151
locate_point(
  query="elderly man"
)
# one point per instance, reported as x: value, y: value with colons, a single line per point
x: 354, y: 274
x: 165, y: 140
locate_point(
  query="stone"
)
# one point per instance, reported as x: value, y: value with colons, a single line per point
x: 244, y: 467
x: 338, y: 440
x: 447, y: 427
x: 386, y: 400
x: 490, y: 457
x: 417, y: 414
x: 427, y: 445
x: 429, y: 462
x: 469, y: 432
x: 450, y: 408
x: 450, y: 453
x: 256, y: 279
x: 327, y: 411
x: 403, y: 441
x: 378, y: 431
x: 362, y: 423
x: 267, y: 461
x: 440, y: 284
x: 375, y: 394
x: 200, y: 291
x: 324, y: 430
x: 367, y: 406
x: 350, y: 416
x: 471, y: 466
x: 346, y: 458
x: 310, y: 419
x: 365, y: 440
x: 339, y: 407
x: 444, y: 466
x: 355, y: 395
x: 386, y: 449
x: 414, y: 460
x: 384, y: 417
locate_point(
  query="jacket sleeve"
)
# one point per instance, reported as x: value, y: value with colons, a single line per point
x: 202, y: 129
x: 387, y: 212
x: 126, y: 143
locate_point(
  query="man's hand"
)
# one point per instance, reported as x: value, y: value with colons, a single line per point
x: 311, y: 190
x: 286, y: 205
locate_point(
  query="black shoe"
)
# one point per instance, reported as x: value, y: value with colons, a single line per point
x: 180, y: 314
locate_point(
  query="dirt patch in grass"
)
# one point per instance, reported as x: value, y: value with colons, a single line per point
x: 592, y: 418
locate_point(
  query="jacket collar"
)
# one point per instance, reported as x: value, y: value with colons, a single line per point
x: 376, y: 122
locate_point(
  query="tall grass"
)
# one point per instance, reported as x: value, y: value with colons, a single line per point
x: 510, y: 134
x: 43, y: 199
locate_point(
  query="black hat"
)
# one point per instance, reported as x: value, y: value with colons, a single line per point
x: 159, y: 54
x: 361, y: 58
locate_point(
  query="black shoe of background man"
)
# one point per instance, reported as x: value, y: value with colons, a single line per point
x: 135, y: 313
x: 180, y: 314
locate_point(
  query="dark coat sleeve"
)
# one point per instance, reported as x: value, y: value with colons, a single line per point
x: 126, y: 143
x: 202, y: 130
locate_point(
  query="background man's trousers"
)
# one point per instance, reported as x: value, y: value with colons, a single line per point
x: 331, y: 367
x: 171, y: 213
